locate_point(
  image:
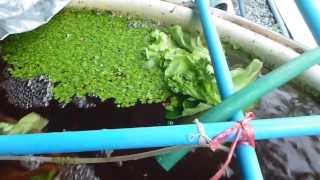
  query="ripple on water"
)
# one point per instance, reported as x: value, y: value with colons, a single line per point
x: 290, y: 158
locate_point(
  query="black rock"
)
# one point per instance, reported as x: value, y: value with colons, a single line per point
x: 25, y: 94
x: 86, y: 102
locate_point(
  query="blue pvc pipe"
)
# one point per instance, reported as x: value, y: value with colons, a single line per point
x: 147, y: 137
x: 245, y: 160
x: 216, y: 52
x: 218, y: 59
x: 248, y: 158
x: 310, y: 10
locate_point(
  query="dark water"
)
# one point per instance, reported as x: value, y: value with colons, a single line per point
x: 200, y: 164
x: 293, y: 158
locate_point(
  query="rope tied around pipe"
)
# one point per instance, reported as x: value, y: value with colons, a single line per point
x: 243, y: 132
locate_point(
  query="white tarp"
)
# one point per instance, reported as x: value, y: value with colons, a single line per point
x: 17, y: 16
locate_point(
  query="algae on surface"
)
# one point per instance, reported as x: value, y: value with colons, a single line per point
x: 89, y: 53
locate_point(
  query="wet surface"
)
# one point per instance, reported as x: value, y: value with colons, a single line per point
x: 290, y: 158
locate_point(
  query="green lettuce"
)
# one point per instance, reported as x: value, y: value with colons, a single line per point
x: 188, y: 71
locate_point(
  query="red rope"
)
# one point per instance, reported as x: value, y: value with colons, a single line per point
x: 243, y: 134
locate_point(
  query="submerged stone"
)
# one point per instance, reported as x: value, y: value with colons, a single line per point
x: 32, y: 93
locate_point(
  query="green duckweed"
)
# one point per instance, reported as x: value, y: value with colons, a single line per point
x: 89, y: 53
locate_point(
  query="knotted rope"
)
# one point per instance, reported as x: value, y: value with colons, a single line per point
x: 243, y: 132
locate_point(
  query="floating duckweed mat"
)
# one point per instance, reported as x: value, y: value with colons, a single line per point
x: 89, y: 53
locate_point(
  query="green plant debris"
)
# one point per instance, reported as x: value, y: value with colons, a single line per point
x: 30, y: 123
x: 45, y: 176
x: 89, y: 53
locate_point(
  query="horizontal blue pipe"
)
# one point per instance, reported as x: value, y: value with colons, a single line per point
x: 310, y: 10
x: 147, y: 137
x: 249, y: 163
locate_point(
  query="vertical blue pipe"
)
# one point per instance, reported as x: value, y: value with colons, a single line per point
x: 241, y: 4
x: 249, y: 164
x: 310, y: 10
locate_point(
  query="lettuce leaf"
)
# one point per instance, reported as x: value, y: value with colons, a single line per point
x: 30, y: 123
x: 188, y: 71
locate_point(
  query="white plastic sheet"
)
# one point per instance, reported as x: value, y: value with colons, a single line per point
x: 17, y: 16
